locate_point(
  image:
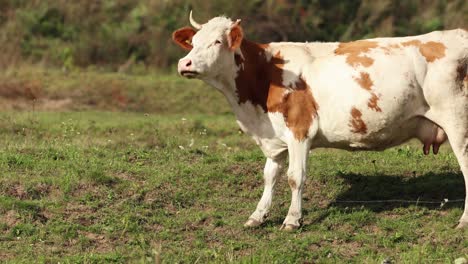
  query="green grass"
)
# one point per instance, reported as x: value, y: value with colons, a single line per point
x: 100, y: 187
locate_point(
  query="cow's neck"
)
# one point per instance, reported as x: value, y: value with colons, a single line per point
x: 249, y: 82
x: 254, y: 74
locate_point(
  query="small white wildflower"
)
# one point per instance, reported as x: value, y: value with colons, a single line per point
x: 181, y: 147
x: 183, y: 119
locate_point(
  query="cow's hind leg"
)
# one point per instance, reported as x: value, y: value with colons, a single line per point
x: 459, y: 141
x: 448, y: 101
x: 270, y: 173
x: 458, y: 137
x: 455, y: 124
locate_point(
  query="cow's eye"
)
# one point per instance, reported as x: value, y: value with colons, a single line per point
x: 217, y: 42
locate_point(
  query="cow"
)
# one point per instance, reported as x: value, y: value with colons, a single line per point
x: 361, y: 95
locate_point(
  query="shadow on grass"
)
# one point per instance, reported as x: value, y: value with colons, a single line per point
x: 371, y: 192
x: 379, y: 193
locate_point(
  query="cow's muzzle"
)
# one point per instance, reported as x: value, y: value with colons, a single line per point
x: 185, y: 68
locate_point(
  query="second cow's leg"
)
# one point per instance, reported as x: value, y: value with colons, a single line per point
x: 271, y: 171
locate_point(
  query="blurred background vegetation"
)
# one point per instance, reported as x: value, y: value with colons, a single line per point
x: 117, y: 33
x: 133, y: 37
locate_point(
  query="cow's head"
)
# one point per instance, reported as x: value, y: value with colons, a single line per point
x: 211, y: 48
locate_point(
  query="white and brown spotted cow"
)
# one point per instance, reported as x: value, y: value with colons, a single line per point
x: 361, y: 95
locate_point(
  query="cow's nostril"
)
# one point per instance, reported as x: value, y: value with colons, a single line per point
x: 188, y: 63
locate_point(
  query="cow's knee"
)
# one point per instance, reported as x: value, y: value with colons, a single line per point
x: 292, y: 183
x: 295, y: 179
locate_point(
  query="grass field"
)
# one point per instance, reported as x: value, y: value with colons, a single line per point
x: 99, y: 187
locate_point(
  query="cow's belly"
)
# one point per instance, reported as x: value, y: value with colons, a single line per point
x: 429, y: 133
x: 358, y: 127
x: 381, y: 137
x: 355, y: 126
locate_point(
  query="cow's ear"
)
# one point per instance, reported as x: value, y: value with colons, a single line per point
x: 235, y: 36
x: 183, y: 37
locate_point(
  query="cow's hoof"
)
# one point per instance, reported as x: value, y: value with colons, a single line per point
x: 462, y: 225
x: 252, y: 223
x: 288, y: 227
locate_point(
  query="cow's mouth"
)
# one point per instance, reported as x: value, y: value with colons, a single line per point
x: 189, y: 74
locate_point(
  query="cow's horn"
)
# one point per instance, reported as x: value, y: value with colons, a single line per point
x: 192, y: 21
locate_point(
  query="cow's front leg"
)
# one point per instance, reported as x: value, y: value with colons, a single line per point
x: 271, y: 171
x: 298, y: 153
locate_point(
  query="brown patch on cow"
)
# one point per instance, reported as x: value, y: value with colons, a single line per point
x: 373, y: 103
x: 431, y: 50
x: 356, y: 122
x: 355, y: 50
x: 249, y: 86
x: 413, y: 42
x: 364, y: 81
x: 296, y: 102
x: 292, y: 183
x: 276, y: 90
x: 260, y: 81
x: 299, y: 108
